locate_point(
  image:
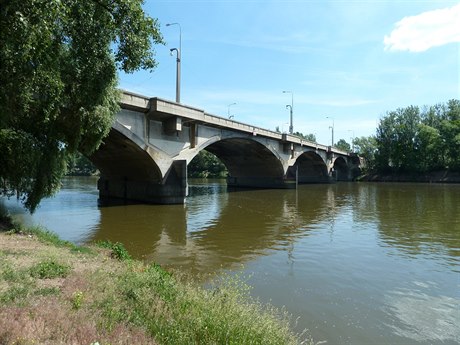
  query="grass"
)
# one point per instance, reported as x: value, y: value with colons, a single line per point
x: 46, y: 236
x: 54, y: 292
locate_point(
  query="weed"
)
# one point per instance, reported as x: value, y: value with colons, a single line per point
x: 14, y: 293
x: 118, y: 250
x: 49, y: 269
x: 77, y: 300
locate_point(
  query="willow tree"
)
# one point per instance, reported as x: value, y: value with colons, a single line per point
x: 58, y: 76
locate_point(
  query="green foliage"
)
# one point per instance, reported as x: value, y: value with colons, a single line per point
x: 49, y: 237
x: 14, y: 293
x: 45, y: 236
x: 183, y: 313
x: 77, y: 300
x: 49, y: 269
x: 58, y: 77
x: 205, y: 164
x: 410, y: 140
x: 366, y: 147
x: 310, y: 137
x: 343, y: 145
x: 8, y: 273
x: 118, y: 250
x: 79, y: 165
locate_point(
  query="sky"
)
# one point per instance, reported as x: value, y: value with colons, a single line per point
x: 347, y: 63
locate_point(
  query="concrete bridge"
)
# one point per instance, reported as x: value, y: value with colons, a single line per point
x: 145, y: 156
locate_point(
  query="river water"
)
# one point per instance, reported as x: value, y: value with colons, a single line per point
x: 354, y: 263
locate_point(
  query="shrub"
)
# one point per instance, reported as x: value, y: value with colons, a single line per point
x: 49, y: 269
x: 118, y: 250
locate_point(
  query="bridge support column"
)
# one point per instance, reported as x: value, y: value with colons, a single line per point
x: 172, y: 191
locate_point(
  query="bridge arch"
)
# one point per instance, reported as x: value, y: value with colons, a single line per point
x: 310, y: 167
x: 341, y: 169
x: 120, y: 156
x: 130, y: 173
x: 249, y: 162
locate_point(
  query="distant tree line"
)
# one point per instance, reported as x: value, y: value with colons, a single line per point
x: 414, y: 140
x: 205, y: 165
x: 79, y: 165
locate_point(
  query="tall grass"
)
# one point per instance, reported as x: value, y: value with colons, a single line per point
x: 177, y: 312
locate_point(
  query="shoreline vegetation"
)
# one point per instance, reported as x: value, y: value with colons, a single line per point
x: 54, y: 292
x: 442, y: 176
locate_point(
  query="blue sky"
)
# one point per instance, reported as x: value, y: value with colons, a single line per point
x: 351, y: 61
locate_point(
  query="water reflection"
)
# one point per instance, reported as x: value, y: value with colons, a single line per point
x: 216, y: 230
x: 416, y: 219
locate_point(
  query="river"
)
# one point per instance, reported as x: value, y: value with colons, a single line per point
x: 354, y: 263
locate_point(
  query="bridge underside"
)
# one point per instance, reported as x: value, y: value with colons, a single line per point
x: 130, y: 174
x: 310, y: 168
x: 249, y: 163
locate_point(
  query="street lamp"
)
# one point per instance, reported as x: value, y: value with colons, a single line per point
x: 178, y: 60
x: 177, y: 72
x: 291, y: 110
x: 180, y: 33
x: 228, y: 110
x: 332, y: 128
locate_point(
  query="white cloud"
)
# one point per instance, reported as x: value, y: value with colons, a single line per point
x: 426, y: 30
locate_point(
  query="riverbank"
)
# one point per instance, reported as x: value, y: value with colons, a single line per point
x: 443, y: 176
x: 52, y: 291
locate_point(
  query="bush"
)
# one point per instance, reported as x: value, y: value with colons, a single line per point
x: 118, y: 250
x: 49, y: 269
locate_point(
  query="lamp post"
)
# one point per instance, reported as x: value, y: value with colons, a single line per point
x: 228, y: 110
x: 332, y: 128
x: 178, y: 60
x: 291, y: 110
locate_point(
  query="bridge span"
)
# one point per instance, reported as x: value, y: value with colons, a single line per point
x: 145, y: 156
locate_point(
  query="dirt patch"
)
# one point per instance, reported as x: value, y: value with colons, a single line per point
x: 50, y: 311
